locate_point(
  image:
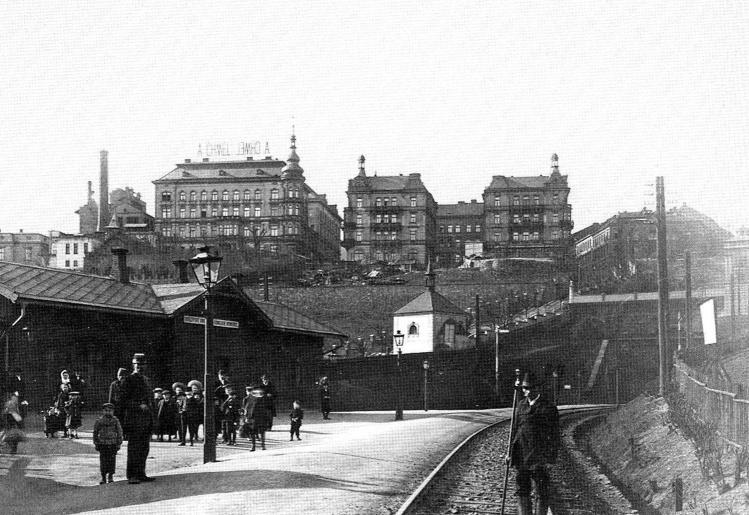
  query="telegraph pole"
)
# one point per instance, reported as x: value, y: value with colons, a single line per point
x: 663, y: 345
x: 688, y: 266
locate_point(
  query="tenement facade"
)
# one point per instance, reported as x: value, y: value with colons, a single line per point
x: 389, y: 218
x: 255, y: 203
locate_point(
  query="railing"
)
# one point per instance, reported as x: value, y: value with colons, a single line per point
x: 729, y: 413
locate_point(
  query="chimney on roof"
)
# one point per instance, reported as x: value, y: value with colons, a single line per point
x: 119, y: 267
x: 181, y: 265
x: 103, y: 190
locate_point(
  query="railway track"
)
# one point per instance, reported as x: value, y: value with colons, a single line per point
x: 470, y: 479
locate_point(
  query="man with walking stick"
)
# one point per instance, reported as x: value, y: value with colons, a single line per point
x: 534, y: 445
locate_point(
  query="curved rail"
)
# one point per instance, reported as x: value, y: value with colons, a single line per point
x: 423, y: 488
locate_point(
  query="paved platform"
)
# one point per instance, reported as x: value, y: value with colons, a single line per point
x: 356, y: 463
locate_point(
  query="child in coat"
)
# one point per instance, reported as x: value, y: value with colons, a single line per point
x: 230, y: 410
x: 167, y: 416
x: 296, y: 416
x: 194, y: 412
x: 74, y: 410
x: 107, y: 440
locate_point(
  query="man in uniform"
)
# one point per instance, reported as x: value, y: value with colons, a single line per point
x: 136, y: 397
x: 534, y: 446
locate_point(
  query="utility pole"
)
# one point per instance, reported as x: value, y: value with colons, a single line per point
x: 663, y: 345
x: 478, y: 322
x: 688, y: 280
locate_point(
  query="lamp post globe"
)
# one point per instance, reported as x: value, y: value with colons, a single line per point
x: 398, y: 338
x: 206, y: 265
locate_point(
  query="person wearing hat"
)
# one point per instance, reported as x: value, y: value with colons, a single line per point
x: 137, y: 397
x: 180, y: 401
x: 219, y: 396
x: 194, y: 409
x: 114, y: 392
x: 107, y: 440
x: 535, y: 445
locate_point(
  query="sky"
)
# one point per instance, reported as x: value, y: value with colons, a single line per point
x: 457, y: 91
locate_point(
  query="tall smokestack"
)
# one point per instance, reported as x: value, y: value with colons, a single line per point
x: 104, y: 191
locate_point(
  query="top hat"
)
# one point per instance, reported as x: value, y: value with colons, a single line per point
x: 139, y: 358
x: 529, y: 380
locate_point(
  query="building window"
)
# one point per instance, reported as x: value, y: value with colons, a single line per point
x: 497, y: 236
x: 412, y: 234
x: 449, y: 333
x: 247, y: 195
x: 526, y: 236
x: 413, y: 329
x: 526, y: 218
x: 516, y: 218
x: 358, y: 236
x: 378, y: 202
x: 536, y: 200
x: 515, y: 236
x: 359, y: 219
x: 449, y: 228
x: 497, y: 202
x: 555, y: 218
x: 193, y: 196
x: 166, y: 196
x: 85, y: 248
x: 535, y: 218
x: 413, y: 201
x: 257, y: 211
x: 166, y: 231
x: 412, y: 218
x: 235, y: 195
x: 393, y: 201
x: 224, y: 211
x: 274, y: 211
x: 67, y: 248
x: 442, y: 228
x: 182, y: 212
x: 225, y: 195
x: 247, y: 232
x: 378, y: 218
x: 274, y: 230
x: 457, y: 228
x: 516, y: 200
x: 193, y: 212
x: 214, y: 195
x: 166, y: 211
x: 67, y: 263
x: 257, y: 194
x: 203, y: 195
x: 75, y: 248
x: 358, y: 202
x: 235, y: 211
x: 75, y: 263
x: 478, y: 228
x: 555, y: 198
x: 27, y: 254
x: 274, y: 194
x: 182, y: 196
x: 535, y: 236
x: 526, y: 200
x: 214, y: 212
x: 246, y: 211
x: 468, y: 227
x: 555, y: 235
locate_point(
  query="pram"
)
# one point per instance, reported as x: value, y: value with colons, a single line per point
x: 54, y: 421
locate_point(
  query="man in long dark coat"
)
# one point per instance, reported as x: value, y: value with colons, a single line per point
x: 136, y: 398
x: 534, y: 446
x: 114, y: 394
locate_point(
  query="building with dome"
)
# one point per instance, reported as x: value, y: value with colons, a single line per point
x: 261, y: 203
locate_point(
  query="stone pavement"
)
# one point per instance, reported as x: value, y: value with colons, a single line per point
x: 355, y: 463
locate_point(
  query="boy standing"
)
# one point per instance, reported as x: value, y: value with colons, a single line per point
x: 230, y: 409
x: 296, y: 416
x: 107, y: 440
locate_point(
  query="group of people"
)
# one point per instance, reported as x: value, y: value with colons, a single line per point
x: 66, y: 411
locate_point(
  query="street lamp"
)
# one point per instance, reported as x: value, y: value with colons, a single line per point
x: 205, y: 266
x: 425, y: 364
x: 398, y: 338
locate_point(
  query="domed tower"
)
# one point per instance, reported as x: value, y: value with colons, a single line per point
x: 294, y: 214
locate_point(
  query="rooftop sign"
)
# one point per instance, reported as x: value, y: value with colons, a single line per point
x: 242, y: 148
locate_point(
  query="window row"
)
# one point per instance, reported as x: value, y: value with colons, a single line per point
x: 182, y: 196
x: 459, y: 228
x: 386, y: 201
x: 75, y: 248
x: 246, y: 211
x: 194, y: 231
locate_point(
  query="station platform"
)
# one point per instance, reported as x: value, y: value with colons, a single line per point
x: 355, y: 463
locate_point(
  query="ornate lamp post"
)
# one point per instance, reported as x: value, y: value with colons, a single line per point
x: 425, y: 364
x: 398, y: 338
x: 205, y: 266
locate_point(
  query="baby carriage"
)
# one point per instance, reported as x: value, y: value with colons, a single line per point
x: 54, y: 421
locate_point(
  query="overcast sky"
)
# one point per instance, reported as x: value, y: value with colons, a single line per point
x: 458, y: 91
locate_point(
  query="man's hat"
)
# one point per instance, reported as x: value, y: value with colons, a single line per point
x: 178, y: 385
x: 158, y: 390
x: 107, y: 405
x: 139, y: 358
x: 529, y: 380
x: 167, y: 390
x: 75, y: 393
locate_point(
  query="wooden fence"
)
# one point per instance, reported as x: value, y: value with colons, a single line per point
x: 722, y: 407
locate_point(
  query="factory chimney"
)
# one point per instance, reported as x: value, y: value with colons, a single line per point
x: 104, y: 191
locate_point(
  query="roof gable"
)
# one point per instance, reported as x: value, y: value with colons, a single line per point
x: 429, y: 302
